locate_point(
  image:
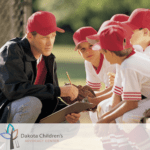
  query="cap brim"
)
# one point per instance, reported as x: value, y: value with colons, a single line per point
x: 47, y: 31
x: 96, y: 47
x: 60, y: 30
x: 93, y: 37
x: 91, y: 41
x: 80, y: 43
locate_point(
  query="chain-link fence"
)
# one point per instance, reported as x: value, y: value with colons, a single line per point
x: 13, y: 18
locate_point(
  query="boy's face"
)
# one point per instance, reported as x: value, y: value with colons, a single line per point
x: 111, y: 57
x: 85, y: 50
x: 138, y: 37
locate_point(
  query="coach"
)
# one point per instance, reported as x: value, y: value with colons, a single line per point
x: 29, y: 88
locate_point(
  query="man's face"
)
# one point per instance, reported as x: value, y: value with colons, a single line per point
x: 42, y: 44
x: 137, y: 37
x: 85, y: 50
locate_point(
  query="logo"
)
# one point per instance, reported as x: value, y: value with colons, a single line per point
x: 11, y: 135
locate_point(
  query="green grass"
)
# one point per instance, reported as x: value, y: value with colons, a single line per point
x: 69, y: 60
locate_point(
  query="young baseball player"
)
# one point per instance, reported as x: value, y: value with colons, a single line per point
x: 140, y: 38
x: 139, y: 21
x: 135, y: 76
x: 96, y: 66
x: 135, y: 81
x: 107, y: 104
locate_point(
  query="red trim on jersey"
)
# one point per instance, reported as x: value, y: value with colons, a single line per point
x: 100, y: 64
x: 117, y: 93
x: 94, y: 85
x: 131, y: 95
x: 117, y: 90
x: 41, y: 73
x: 137, y: 99
x: 132, y: 53
x: 132, y: 92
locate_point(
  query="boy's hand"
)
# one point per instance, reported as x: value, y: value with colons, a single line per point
x: 93, y: 100
x: 73, y: 117
x: 70, y: 91
x: 111, y: 78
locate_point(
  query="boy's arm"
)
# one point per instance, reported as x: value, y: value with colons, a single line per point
x: 98, y: 99
x: 118, y: 110
x: 116, y: 100
x: 106, y: 90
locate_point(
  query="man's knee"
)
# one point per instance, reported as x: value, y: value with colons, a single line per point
x: 33, y: 104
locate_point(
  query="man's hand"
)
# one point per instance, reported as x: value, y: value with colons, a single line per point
x: 111, y: 78
x: 69, y: 90
x: 73, y: 117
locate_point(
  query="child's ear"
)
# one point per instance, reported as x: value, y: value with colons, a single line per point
x: 145, y: 31
x: 124, y: 42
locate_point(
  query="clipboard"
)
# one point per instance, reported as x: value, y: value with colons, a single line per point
x: 59, y: 116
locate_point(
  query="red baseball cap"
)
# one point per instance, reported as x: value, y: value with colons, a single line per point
x: 43, y: 22
x: 80, y: 35
x: 107, y: 24
x: 104, y: 24
x: 139, y: 18
x: 112, y: 38
x: 119, y: 17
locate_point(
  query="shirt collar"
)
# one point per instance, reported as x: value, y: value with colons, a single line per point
x: 27, y: 49
x: 132, y: 53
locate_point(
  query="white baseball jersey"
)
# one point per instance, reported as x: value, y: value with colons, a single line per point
x: 94, y: 77
x: 117, y: 89
x: 138, y: 48
x: 133, y: 78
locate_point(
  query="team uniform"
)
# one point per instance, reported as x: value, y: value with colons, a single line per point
x: 117, y: 88
x: 95, y: 78
x: 138, y: 48
x: 135, y: 81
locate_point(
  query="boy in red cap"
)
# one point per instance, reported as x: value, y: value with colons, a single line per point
x: 135, y: 76
x: 29, y: 87
x: 96, y: 66
x: 135, y: 82
x: 139, y: 21
x: 105, y: 99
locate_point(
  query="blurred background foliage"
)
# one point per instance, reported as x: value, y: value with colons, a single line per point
x: 73, y: 14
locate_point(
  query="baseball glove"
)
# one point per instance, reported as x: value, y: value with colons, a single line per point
x: 84, y: 91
